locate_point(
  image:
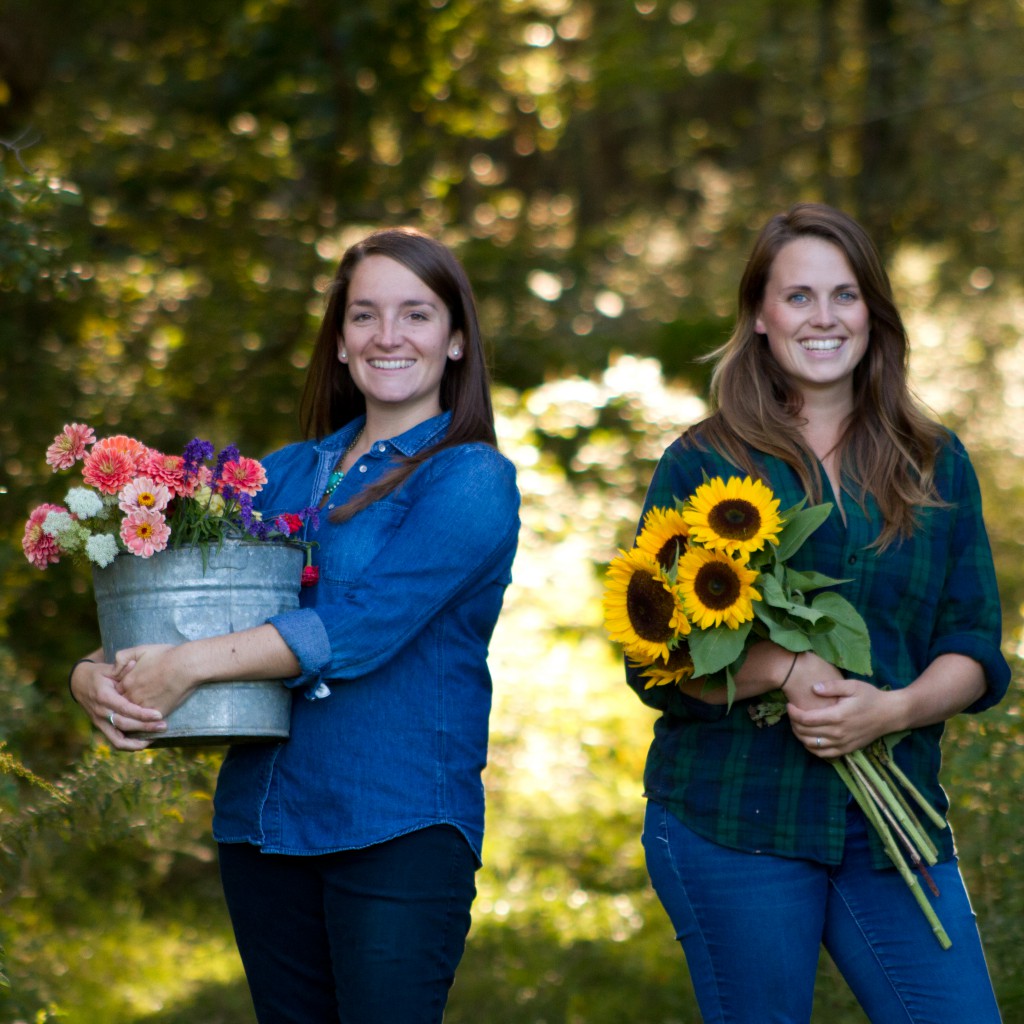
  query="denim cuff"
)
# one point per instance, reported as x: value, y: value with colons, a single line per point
x: 303, y: 631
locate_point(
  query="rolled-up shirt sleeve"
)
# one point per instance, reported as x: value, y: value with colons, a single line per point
x: 458, y: 530
x: 969, y: 620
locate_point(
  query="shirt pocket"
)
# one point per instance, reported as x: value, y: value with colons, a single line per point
x: 349, y: 550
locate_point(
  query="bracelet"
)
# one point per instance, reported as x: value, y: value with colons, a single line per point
x: 792, y: 665
x: 90, y: 661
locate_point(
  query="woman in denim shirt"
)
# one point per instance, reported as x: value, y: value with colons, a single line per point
x: 348, y: 854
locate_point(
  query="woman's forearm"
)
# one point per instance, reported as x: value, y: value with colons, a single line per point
x: 765, y: 668
x: 257, y: 653
x: 949, y: 684
x: 162, y: 676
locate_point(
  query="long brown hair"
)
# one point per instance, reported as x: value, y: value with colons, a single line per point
x: 888, y: 447
x: 330, y: 398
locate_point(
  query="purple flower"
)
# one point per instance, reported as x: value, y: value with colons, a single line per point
x: 196, y: 453
x: 252, y: 526
x: 311, y: 514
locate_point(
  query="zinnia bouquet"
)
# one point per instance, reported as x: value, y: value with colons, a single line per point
x: 707, y: 579
x: 139, y: 500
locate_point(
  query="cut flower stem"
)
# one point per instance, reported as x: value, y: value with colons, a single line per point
x: 879, y: 801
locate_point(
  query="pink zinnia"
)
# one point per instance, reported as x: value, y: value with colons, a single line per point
x: 145, y: 533
x: 40, y: 548
x: 135, y: 450
x: 245, y: 475
x: 69, y: 446
x: 143, y: 494
x: 107, y: 469
x: 168, y: 470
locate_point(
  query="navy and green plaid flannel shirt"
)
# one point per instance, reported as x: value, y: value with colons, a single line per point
x: 759, y: 789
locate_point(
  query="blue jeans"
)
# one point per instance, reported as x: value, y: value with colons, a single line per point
x: 751, y: 926
x: 369, y: 936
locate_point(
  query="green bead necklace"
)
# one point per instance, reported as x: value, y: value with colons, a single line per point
x: 339, y: 474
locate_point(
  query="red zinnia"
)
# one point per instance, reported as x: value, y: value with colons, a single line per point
x: 288, y: 523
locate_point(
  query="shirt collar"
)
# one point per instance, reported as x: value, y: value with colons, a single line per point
x: 412, y: 441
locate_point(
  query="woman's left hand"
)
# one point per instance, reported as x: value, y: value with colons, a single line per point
x: 153, y: 675
x: 848, y: 716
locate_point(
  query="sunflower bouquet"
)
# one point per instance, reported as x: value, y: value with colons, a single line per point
x: 708, y: 578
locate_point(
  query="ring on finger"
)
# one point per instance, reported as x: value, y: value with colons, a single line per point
x: 110, y: 719
x: 817, y: 739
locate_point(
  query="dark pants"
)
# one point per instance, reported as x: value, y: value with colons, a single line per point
x: 369, y: 936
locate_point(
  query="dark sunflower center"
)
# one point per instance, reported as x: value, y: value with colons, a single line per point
x: 649, y: 606
x: 716, y: 585
x: 669, y: 552
x: 679, y: 658
x: 735, y: 518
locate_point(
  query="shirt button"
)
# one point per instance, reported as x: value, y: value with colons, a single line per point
x: 330, y: 506
x: 362, y: 469
x: 852, y: 560
x: 381, y: 448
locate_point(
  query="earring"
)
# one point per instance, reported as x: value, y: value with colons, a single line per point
x: 455, y: 353
x: 344, y: 356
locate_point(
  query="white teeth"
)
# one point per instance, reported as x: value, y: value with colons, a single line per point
x: 821, y: 344
x: 391, y: 364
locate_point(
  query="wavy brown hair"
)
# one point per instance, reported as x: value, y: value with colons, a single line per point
x: 888, y: 446
x: 330, y: 398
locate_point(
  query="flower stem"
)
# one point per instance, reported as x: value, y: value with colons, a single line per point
x: 885, y: 835
x: 937, y: 819
x: 905, y: 817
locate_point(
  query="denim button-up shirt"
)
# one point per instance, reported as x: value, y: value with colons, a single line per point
x: 395, y: 634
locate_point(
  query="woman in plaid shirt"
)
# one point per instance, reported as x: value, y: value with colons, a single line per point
x: 753, y: 843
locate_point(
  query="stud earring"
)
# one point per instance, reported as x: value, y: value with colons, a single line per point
x: 455, y: 353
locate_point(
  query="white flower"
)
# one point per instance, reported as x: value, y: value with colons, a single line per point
x: 57, y: 523
x: 84, y: 503
x: 101, y: 548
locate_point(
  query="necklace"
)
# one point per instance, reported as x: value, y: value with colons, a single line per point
x: 339, y: 474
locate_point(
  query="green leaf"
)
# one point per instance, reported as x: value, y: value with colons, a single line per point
x: 804, y: 581
x: 799, y: 528
x: 847, y: 644
x: 782, y: 629
x: 715, y: 649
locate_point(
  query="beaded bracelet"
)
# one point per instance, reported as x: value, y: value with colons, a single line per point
x: 91, y: 661
x: 792, y: 665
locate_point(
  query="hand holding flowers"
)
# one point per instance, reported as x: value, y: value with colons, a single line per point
x: 708, y: 579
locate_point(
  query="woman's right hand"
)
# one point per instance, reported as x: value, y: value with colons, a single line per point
x: 94, y: 687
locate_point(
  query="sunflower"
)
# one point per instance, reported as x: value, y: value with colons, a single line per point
x: 678, y: 668
x: 716, y: 589
x: 641, y: 609
x: 736, y: 516
x: 665, y: 536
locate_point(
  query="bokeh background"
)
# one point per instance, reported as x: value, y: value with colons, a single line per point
x: 177, y: 181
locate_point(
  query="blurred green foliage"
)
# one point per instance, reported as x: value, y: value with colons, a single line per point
x: 176, y: 184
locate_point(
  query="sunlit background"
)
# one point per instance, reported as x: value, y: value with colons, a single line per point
x: 177, y: 182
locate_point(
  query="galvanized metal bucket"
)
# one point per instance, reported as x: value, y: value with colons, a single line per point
x: 173, y: 597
